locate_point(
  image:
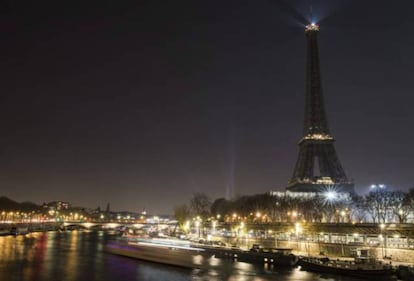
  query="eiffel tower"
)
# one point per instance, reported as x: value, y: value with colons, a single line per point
x: 317, y: 166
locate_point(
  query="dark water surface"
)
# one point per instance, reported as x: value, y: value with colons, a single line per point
x: 79, y: 256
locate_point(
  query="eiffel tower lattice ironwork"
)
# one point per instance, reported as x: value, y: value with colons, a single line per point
x: 318, y: 165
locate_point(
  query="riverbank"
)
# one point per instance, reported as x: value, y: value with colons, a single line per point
x: 308, y: 248
x: 24, y: 228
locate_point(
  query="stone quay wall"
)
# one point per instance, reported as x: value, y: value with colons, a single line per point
x: 346, y: 250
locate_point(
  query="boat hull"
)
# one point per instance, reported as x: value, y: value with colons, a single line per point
x: 405, y: 272
x: 270, y: 256
x: 256, y: 258
x: 159, y: 254
x: 19, y: 230
x: 364, y: 272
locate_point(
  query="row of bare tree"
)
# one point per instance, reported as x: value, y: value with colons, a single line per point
x: 378, y: 206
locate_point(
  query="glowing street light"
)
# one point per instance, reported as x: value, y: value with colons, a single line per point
x: 380, y: 186
x: 186, y: 226
x: 383, y: 238
x: 298, y: 230
x: 234, y: 216
x: 198, y: 225
x: 214, y: 224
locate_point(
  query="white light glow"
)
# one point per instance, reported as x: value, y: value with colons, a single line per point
x: 330, y: 195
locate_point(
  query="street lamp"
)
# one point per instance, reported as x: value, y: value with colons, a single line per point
x: 343, y: 215
x: 186, y: 226
x: 319, y: 243
x: 383, y: 237
x: 298, y: 230
x: 258, y: 216
x: 214, y: 224
x: 240, y: 232
x: 401, y: 218
x: 198, y: 224
x: 234, y: 217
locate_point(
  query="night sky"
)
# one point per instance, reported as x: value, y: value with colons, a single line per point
x: 142, y: 103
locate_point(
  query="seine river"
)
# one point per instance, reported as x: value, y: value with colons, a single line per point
x: 79, y: 256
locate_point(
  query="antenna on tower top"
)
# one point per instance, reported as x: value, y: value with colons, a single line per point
x: 311, y: 12
x: 312, y: 26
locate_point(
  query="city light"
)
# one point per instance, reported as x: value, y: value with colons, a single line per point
x: 330, y: 195
x: 312, y: 27
x: 298, y: 228
x: 380, y: 186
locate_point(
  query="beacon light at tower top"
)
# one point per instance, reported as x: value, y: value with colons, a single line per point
x: 312, y: 27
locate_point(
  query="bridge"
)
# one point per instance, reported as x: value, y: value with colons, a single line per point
x: 404, y: 230
x: 114, y: 225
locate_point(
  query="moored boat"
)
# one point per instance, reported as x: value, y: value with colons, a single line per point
x: 358, y: 267
x: 256, y: 255
x: 405, y: 272
x: 275, y: 256
x: 20, y: 230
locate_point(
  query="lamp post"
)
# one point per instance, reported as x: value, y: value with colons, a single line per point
x: 258, y: 217
x: 197, y: 224
x: 214, y: 225
x: 383, y: 237
x: 319, y: 243
x: 401, y: 218
x: 298, y: 230
x: 343, y: 213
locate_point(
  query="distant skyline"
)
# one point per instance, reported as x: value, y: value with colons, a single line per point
x: 142, y: 103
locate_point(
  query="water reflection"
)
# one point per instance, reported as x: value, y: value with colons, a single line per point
x: 72, y: 264
x: 80, y: 256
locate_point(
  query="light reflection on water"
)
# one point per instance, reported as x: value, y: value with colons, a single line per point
x: 79, y: 256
